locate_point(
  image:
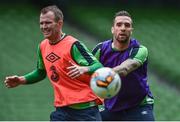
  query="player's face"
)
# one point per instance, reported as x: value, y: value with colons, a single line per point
x: 122, y: 29
x: 48, y: 26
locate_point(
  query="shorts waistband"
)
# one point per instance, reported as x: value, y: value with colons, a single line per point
x: 83, y: 105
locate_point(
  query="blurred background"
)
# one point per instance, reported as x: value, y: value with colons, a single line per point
x: 156, y: 25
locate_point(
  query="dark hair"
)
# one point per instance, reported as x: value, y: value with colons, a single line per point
x: 57, y: 12
x: 122, y: 13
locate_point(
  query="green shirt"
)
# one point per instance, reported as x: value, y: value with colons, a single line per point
x: 81, y: 55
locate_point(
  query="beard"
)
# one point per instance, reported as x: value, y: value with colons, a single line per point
x: 122, y: 40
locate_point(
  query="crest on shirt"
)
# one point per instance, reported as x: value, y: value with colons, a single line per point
x: 52, y: 57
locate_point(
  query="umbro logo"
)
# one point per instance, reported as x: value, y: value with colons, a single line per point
x: 52, y: 57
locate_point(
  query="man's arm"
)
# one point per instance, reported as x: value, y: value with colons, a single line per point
x: 39, y: 73
x: 96, y: 51
x: 32, y: 77
x: 82, y: 56
x: 136, y: 59
x: 127, y: 66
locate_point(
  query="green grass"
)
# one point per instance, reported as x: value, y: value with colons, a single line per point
x: 151, y: 28
x: 157, y: 29
x: 167, y: 100
x: 19, y: 38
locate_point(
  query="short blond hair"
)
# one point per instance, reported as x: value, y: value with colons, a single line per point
x: 57, y: 12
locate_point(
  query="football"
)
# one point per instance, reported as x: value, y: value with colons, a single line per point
x: 105, y: 83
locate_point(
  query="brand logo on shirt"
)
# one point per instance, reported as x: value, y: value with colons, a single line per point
x: 52, y: 57
x: 144, y: 112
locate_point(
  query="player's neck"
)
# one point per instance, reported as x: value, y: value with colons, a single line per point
x: 57, y: 39
x: 120, y: 46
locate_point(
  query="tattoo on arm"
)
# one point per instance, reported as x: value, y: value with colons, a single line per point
x: 127, y: 66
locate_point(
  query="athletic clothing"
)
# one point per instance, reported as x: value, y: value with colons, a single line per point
x: 139, y: 87
x: 80, y: 55
x: 52, y: 58
x: 134, y: 88
x: 138, y: 113
x: 69, y: 114
x: 56, y: 59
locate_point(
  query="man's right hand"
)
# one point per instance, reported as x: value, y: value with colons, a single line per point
x: 13, y: 81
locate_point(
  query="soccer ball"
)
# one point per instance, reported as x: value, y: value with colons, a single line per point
x: 105, y: 83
